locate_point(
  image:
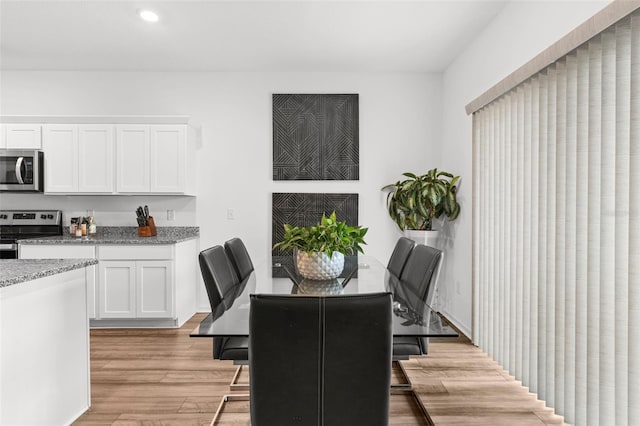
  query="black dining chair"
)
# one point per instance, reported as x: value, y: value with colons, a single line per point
x: 420, y: 269
x: 239, y: 256
x: 320, y: 360
x: 400, y: 254
x: 420, y: 276
x: 221, y: 283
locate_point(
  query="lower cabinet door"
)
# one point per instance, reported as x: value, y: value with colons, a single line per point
x: 117, y: 286
x: 154, y: 294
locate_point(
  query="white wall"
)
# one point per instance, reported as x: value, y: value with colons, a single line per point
x: 516, y: 35
x: 399, y: 128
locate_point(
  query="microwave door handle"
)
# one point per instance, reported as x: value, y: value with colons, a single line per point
x: 19, y: 170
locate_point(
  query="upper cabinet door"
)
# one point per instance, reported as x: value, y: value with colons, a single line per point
x: 23, y: 136
x: 132, y: 158
x: 60, y: 145
x: 96, y: 152
x: 168, y: 158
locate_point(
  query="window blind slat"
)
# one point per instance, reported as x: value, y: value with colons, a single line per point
x: 582, y: 206
x: 518, y: 196
x: 551, y: 235
x: 622, y: 188
x: 526, y: 239
x: 559, y: 216
x: 513, y: 239
x: 533, y: 223
x: 607, y: 229
x: 501, y: 253
x: 542, y: 238
x: 569, y: 254
x: 593, y: 254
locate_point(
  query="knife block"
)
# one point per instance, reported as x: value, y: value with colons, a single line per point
x: 149, y: 230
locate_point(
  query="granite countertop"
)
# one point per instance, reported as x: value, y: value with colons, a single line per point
x: 123, y: 235
x: 15, y: 271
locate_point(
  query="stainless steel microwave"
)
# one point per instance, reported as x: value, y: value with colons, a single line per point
x: 21, y: 170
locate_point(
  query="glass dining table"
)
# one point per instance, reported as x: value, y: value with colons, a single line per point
x: 362, y: 274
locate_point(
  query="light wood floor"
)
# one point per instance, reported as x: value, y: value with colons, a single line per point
x: 165, y: 377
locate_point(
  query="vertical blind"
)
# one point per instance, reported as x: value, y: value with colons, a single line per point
x: 557, y: 230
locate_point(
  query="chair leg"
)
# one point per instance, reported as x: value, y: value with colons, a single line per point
x: 397, y: 365
x: 412, y: 394
x: 234, y: 385
x: 223, y: 402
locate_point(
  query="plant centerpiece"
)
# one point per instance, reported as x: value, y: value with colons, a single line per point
x: 319, y: 250
x: 414, y: 202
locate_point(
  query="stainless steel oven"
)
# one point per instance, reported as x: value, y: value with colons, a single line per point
x: 16, y: 225
x: 21, y: 170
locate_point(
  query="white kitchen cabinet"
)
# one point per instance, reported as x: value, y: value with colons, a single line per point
x: 78, y: 158
x: 117, y: 289
x: 22, y: 136
x: 154, y: 290
x: 136, y: 281
x: 60, y: 146
x: 95, y: 159
x: 132, y: 159
x: 135, y: 289
x: 168, y: 159
x: 151, y: 159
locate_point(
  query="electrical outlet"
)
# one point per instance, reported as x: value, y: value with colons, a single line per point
x: 171, y: 214
x: 231, y: 214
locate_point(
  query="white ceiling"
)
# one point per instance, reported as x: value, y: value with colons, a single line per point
x: 294, y: 35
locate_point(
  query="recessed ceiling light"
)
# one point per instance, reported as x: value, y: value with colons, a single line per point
x: 148, y: 15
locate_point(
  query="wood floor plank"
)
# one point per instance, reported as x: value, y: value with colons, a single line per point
x: 164, y: 377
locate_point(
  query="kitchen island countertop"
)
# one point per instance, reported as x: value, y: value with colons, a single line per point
x: 15, y: 271
x: 122, y: 235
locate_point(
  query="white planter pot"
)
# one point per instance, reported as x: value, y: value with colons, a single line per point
x: 319, y: 266
x: 428, y: 238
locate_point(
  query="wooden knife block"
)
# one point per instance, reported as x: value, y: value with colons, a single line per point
x: 149, y: 230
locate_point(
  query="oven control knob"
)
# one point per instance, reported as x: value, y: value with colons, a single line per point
x: 3, y: 216
x: 49, y: 216
x: 43, y: 216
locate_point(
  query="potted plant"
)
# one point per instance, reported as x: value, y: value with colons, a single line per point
x: 414, y: 202
x: 319, y: 250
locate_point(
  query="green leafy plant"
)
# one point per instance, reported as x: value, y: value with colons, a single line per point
x: 327, y: 236
x: 413, y: 203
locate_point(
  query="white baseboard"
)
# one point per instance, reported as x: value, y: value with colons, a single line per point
x: 465, y: 330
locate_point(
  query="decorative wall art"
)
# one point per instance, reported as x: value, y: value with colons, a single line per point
x: 304, y: 209
x: 315, y: 137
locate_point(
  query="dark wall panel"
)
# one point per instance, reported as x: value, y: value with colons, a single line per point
x: 306, y: 209
x: 315, y: 137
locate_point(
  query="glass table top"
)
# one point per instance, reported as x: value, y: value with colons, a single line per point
x: 362, y: 274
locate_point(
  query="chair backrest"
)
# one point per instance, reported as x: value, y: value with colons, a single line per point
x: 239, y: 256
x: 220, y: 279
x: 422, y: 266
x: 320, y: 360
x: 400, y: 254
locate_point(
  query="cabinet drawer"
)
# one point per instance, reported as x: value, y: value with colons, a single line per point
x: 64, y: 251
x: 135, y: 252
